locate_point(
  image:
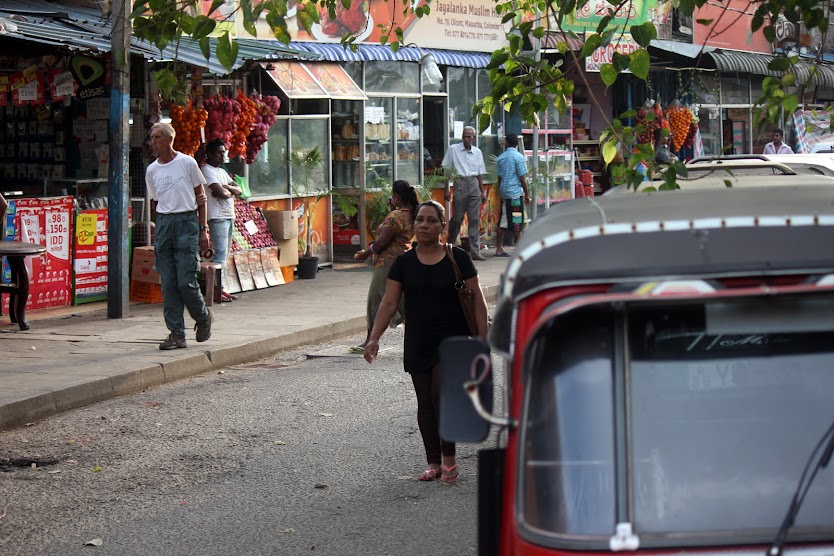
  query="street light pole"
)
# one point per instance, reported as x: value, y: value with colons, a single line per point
x: 118, y: 284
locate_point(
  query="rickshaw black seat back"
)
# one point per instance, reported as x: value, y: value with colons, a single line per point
x: 463, y: 359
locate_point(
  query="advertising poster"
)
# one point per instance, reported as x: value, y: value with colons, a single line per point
x: 90, y: 272
x: 47, y: 222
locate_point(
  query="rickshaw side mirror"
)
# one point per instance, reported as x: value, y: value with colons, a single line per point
x: 464, y: 362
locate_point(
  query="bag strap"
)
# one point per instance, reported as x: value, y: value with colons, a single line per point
x: 450, y: 253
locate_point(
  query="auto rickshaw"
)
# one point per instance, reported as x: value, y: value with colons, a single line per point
x: 668, y: 378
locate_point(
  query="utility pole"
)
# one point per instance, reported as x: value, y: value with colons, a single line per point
x: 118, y: 285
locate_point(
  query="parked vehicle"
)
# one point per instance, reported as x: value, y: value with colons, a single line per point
x: 816, y: 164
x: 668, y: 376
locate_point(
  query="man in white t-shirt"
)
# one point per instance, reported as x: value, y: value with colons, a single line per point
x: 175, y: 183
x: 221, y: 207
x: 777, y: 146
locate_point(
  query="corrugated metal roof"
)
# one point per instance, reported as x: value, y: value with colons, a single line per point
x: 335, y: 52
x: 84, y: 29
x: 755, y: 63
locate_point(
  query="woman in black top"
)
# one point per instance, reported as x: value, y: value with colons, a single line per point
x: 427, y: 279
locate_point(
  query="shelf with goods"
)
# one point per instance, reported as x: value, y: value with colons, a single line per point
x: 589, y: 157
x: 345, y: 146
x: 553, y: 181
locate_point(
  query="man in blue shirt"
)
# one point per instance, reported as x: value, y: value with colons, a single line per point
x: 512, y: 185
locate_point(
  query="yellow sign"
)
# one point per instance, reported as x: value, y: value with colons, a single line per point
x: 85, y: 229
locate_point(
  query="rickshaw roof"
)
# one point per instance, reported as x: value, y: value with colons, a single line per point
x: 675, y: 233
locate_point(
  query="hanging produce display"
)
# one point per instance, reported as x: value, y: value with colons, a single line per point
x: 188, y: 122
x: 266, y: 112
x: 680, y: 118
x: 242, y: 123
x: 650, y: 125
x: 692, y: 132
x: 223, y: 113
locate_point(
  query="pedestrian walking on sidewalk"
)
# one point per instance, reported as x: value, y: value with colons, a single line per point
x: 512, y: 186
x: 469, y: 194
x: 427, y: 279
x: 220, y: 208
x: 176, y: 185
x: 394, y: 238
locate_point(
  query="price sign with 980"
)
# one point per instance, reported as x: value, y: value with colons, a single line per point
x: 57, y: 233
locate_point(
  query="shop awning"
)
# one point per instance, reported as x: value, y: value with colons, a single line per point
x: 313, y: 80
x: 755, y: 63
x: 335, y: 52
x: 82, y: 29
x: 686, y: 49
x: 551, y: 39
x: 335, y: 80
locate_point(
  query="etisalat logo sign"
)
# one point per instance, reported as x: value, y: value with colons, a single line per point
x: 91, y: 76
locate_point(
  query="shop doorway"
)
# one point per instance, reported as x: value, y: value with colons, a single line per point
x: 434, y: 132
x: 735, y: 130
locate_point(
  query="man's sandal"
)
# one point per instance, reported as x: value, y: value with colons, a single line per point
x: 429, y: 474
x: 450, y: 474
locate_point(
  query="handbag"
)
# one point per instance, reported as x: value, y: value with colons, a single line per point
x: 465, y: 294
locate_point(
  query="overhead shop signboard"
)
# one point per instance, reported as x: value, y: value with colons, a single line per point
x: 635, y: 12
x: 459, y: 25
x: 336, y: 81
x: 295, y: 80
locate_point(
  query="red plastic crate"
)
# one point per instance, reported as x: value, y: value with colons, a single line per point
x: 145, y: 292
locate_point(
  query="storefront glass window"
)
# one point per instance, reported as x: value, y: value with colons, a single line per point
x: 735, y: 89
x: 462, y: 97
x: 306, y: 135
x: 735, y: 125
x: 710, y: 127
x: 489, y: 140
x: 408, y: 140
x: 756, y: 89
x: 354, y: 70
x: 392, y: 77
x: 706, y: 87
x: 268, y: 174
x: 378, y: 144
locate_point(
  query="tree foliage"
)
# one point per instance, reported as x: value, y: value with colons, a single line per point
x: 520, y: 79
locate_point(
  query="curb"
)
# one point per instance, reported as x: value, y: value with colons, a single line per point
x: 95, y: 389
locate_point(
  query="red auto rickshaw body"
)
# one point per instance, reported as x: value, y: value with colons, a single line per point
x: 668, y: 368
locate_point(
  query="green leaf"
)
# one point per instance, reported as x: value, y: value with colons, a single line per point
x: 769, y: 33
x: 608, y: 74
x: 603, y: 23
x: 779, y: 64
x: 166, y: 81
x: 639, y: 64
x: 215, y: 5
x: 226, y: 51
x: 203, y: 26
x: 789, y: 104
x: 788, y: 80
x: 628, y: 114
x: 643, y: 34
x: 728, y: 183
x: 680, y: 169
x: 483, y: 122
x: 591, y: 43
x: 705, y: 21
x: 609, y: 151
x: 205, y: 47
x: 620, y: 61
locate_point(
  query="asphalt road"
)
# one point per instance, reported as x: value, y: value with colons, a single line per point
x: 286, y: 456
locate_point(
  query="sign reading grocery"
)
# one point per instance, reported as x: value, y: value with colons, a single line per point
x: 605, y: 54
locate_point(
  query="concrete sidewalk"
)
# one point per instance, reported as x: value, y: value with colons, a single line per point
x: 76, y: 356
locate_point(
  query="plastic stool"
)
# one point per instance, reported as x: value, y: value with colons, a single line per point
x: 210, y: 278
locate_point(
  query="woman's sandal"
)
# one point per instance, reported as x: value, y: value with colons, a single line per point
x: 429, y: 474
x: 449, y: 474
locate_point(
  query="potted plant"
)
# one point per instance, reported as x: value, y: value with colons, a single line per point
x: 306, y: 167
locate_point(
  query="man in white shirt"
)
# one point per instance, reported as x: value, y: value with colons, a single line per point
x: 175, y: 183
x: 468, y: 162
x: 221, y: 207
x: 777, y: 146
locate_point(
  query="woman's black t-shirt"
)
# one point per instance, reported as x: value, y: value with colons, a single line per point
x: 432, y: 307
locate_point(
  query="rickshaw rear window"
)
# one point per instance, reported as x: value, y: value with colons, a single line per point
x: 720, y: 420
x: 723, y: 423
